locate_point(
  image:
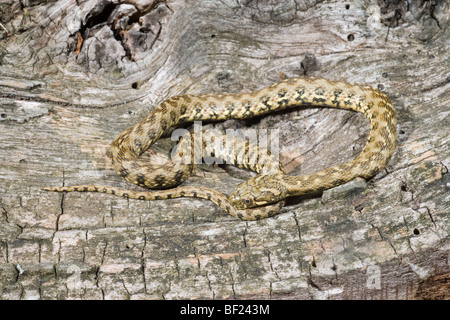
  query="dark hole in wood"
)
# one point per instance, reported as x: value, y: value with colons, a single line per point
x: 101, y: 17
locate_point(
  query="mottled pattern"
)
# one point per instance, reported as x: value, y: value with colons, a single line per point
x: 263, y: 195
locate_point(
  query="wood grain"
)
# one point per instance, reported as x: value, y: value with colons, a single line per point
x: 59, y: 111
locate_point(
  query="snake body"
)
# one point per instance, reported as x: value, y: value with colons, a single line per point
x: 263, y: 195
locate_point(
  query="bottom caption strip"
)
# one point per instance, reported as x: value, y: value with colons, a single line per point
x: 226, y: 309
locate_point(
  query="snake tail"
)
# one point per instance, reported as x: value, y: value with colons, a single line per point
x: 181, y: 192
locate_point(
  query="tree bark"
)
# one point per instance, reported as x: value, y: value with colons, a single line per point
x: 74, y: 74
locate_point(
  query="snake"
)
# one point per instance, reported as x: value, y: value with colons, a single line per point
x: 263, y: 195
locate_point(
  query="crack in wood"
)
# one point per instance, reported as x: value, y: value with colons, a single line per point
x: 297, y: 223
x: 232, y: 284
x: 384, y: 238
x: 271, y: 266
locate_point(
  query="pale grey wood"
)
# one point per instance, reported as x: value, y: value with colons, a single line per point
x: 60, y: 108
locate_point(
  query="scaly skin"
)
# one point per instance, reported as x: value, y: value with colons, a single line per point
x: 263, y: 195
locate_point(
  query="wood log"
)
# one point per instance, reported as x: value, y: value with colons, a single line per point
x: 75, y: 73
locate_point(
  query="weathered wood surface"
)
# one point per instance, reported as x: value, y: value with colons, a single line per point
x: 63, y: 100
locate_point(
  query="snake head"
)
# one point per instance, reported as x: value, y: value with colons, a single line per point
x: 258, y: 191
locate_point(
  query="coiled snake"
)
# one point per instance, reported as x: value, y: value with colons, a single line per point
x: 263, y: 195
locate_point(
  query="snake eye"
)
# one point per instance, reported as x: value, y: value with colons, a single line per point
x: 247, y: 201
